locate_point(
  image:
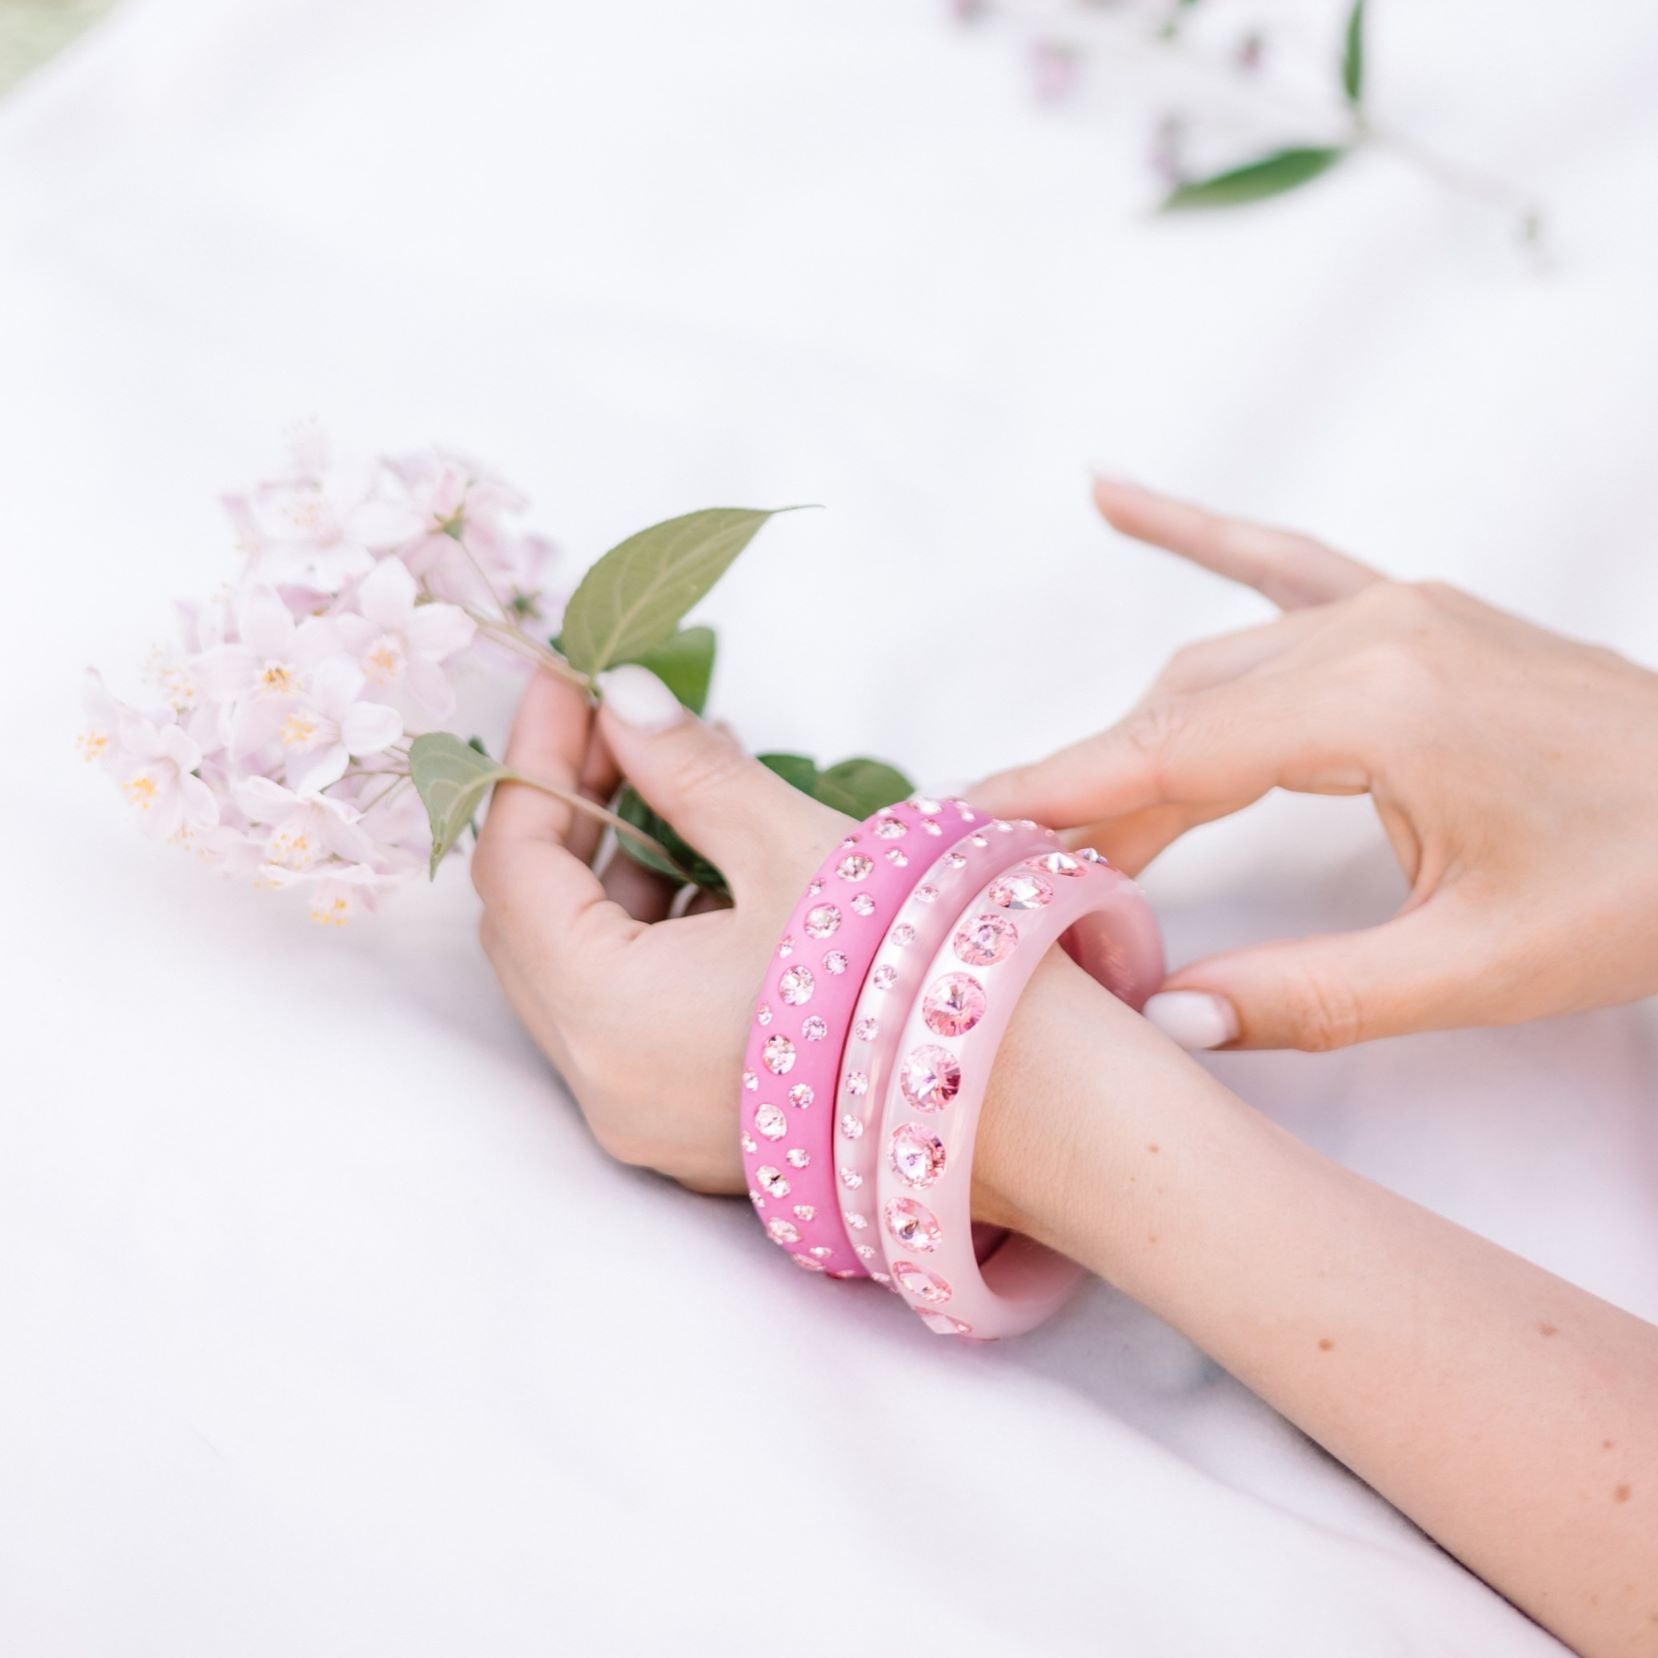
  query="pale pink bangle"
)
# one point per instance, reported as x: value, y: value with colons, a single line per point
x: 894, y: 983
x: 792, y: 1063
x: 930, y: 1113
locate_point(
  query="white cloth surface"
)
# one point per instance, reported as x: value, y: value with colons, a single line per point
x: 326, y: 1328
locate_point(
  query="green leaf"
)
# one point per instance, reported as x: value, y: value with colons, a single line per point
x: 685, y: 664
x: 687, y: 861
x: 452, y: 778
x: 1352, y: 57
x: 795, y: 770
x: 859, y: 787
x: 1269, y: 175
x: 631, y: 601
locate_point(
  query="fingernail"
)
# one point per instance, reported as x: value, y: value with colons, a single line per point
x: 1193, y: 1018
x: 639, y: 699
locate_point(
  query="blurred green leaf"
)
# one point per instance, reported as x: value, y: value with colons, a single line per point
x: 1269, y: 175
x: 1352, y: 57
x: 859, y: 787
x: 685, y: 664
x: 795, y: 770
x: 631, y: 808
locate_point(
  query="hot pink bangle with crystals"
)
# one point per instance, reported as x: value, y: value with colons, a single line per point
x: 930, y: 1115
x: 924, y: 920
x: 793, y: 1059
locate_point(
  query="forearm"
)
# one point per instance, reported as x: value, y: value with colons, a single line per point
x: 1513, y: 1416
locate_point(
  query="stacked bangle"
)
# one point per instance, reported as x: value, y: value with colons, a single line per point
x: 873, y: 1039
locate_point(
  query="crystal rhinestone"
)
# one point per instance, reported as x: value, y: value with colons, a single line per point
x: 917, y: 1157
x: 931, y: 1078
x: 801, y: 1095
x: 866, y: 1030
x: 748, y: 1142
x: 857, y: 1084
x: 919, y: 1282
x: 804, y: 1211
x: 851, y: 1179
x: 865, y: 1252
x: 784, y: 1231
x: 853, y: 1219
x: 796, y: 1158
x: 953, y: 1005
x: 814, y: 1029
x: 941, y: 1324
x: 771, y: 1180
x: 1090, y: 856
x: 879, y: 1278
x: 884, y: 978
x: 851, y: 1126
x: 778, y: 1055
x: 822, y: 920
x: 750, y: 1081
x: 903, y: 935
x: 807, y: 1263
x: 955, y: 860
x: 762, y: 1014
x: 771, y: 1122
x: 898, y: 857
x: 913, y: 1224
x: 966, y: 813
x: 986, y: 941
x: 978, y: 840
x: 1002, y: 826
x: 932, y: 826
x: 863, y: 904
x: 892, y: 829
x: 926, y: 806
x: 835, y: 962
x: 796, y: 985
x: 785, y: 946
x: 1022, y: 891
x: 925, y: 894
x: 813, y: 888
x: 1055, y: 863
x: 849, y: 840
x: 854, y: 866
x: 845, y: 1272
x: 758, y: 1201
x: 822, y: 1251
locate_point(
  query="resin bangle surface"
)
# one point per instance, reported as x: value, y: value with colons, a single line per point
x: 922, y: 922
x: 931, y: 1105
x: 793, y: 1059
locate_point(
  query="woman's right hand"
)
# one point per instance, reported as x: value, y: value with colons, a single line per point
x: 1515, y: 773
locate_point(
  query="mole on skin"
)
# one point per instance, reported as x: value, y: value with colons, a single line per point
x: 1153, y: 1148
x: 1325, y: 1344
x: 1620, y: 1494
x: 1548, y: 1329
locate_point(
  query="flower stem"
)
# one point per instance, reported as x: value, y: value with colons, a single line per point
x: 582, y: 803
x: 514, y: 639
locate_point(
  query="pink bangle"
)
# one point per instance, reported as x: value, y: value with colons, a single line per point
x: 924, y: 920
x: 793, y: 1058
x: 930, y: 1113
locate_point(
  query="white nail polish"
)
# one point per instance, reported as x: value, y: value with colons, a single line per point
x: 1193, y: 1018
x: 636, y: 697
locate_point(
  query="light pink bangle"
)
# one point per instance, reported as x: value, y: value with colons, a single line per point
x: 930, y: 1114
x: 793, y: 1058
x: 924, y: 920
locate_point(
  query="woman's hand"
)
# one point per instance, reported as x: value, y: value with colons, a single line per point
x: 1515, y: 773
x: 644, y: 1017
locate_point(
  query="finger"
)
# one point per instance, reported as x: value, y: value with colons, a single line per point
x: 600, y: 779
x: 1229, y: 744
x: 1134, y: 840
x: 644, y: 894
x: 1419, y: 971
x: 734, y: 811
x: 1290, y: 569
x: 521, y: 867
x: 1229, y: 656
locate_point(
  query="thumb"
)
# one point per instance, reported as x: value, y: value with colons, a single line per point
x: 723, y: 801
x: 1413, y: 973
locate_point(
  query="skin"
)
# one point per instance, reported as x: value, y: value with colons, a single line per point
x: 1511, y: 1415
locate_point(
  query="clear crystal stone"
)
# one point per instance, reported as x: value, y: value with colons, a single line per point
x: 851, y: 1126
x: 762, y: 1014
x: 772, y: 1181
x: 813, y: 887
x: 978, y: 840
x: 806, y: 1263
x: 1055, y: 863
x: 750, y: 1081
x: 778, y: 1055
x: 845, y: 1272
x: 966, y: 814
x: 932, y: 826
x: 755, y: 1198
x: 822, y: 920
x: 771, y: 1122
x: 913, y: 1225
x: 854, y: 866
x: 853, y: 1219
x: 857, y: 1084
x: 925, y: 893
x: 917, y: 1157
x: 822, y: 1251
x: 805, y: 1211
x: 1090, y: 856
x: 891, y: 829
x: 953, y: 1005
x: 1002, y: 826
x: 785, y: 946
x: 986, y: 940
x: 879, y: 1278
x: 941, y: 1324
x: 748, y: 1142
x: 927, y: 806
x: 851, y: 1179
x: 955, y: 860
x: 784, y: 1231
x: 930, y: 1078
x: 884, y: 978
x: 814, y: 1029
x: 796, y: 985
x: 919, y: 1282
x: 903, y: 935
x: 865, y: 1252
x: 1024, y: 890
x: 797, y: 1158
x: 801, y: 1095
x: 863, y: 904
x: 866, y: 1030
x: 835, y: 962
x: 898, y: 857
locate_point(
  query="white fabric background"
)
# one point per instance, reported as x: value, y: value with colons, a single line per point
x: 325, y: 1328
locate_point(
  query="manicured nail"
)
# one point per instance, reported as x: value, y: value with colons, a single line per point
x: 1193, y: 1018
x: 638, y: 698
